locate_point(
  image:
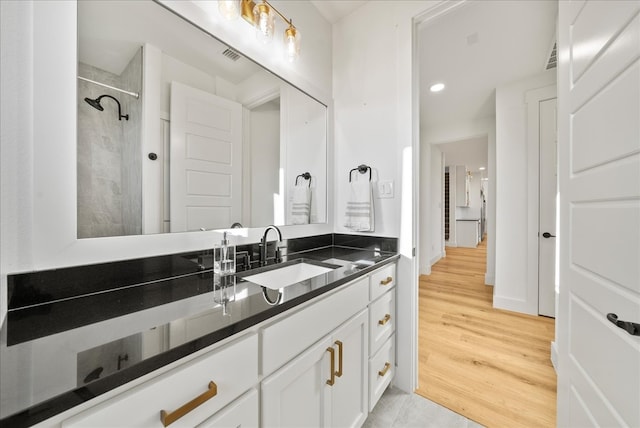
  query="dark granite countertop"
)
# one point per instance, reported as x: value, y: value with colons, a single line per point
x: 80, y: 348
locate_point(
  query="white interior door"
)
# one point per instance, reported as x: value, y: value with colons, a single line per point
x: 547, y: 215
x: 206, y: 160
x: 599, y: 159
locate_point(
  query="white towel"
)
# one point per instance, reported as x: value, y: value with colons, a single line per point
x: 300, y: 204
x: 359, y: 213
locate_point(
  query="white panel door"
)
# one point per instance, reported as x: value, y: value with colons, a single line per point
x: 599, y: 243
x: 206, y: 160
x: 547, y: 215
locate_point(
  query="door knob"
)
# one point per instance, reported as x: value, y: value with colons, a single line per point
x: 631, y: 327
x: 548, y: 235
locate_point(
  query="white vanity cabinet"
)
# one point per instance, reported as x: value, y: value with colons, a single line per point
x: 325, y: 363
x: 326, y: 386
x: 382, y: 327
x: 299, y: 392
x: 188, y: 394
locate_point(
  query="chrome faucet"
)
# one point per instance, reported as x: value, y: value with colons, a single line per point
x: 263, y: 246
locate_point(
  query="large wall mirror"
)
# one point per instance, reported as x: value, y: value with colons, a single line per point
x: 179, y: 132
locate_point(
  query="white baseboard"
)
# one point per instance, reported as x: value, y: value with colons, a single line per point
x: 489, y: 279
x: 450, y: 244
x: 513, y: 305
x: 435, y: 259
x: 554, y: 356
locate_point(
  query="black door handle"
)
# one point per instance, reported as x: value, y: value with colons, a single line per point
x: 548, y: 235
x: 631, y: 327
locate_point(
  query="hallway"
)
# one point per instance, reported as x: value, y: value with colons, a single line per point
x: 489, y: 365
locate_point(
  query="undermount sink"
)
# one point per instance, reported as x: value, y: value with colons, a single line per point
x: 280, y: 277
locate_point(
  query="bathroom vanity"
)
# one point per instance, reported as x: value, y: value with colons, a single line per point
x: 188, y: 351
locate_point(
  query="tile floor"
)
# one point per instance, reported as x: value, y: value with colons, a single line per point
x: 397, y: 409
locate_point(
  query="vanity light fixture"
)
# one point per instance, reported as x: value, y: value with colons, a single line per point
x: 262, y: 16
x: 482, y: 168
x: 437, y: 87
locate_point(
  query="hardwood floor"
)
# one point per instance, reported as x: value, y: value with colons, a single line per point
x: 489, y: 365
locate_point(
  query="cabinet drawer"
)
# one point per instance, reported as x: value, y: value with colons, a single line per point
x: 233, y: 368
x: 287, y: 338
x: 382, y: 368
x: 382, y: 281
x: 244, y: 412
x: 382, y: 320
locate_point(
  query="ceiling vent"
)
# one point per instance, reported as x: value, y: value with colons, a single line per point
x: 233, y: 55
x: 552, y: 62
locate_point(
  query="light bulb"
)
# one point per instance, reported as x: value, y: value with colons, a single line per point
x: 265, y: 22
x: 292, y: 42
x: 230, y: 9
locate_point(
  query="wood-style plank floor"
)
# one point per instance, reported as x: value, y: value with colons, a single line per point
x: 489, y: 365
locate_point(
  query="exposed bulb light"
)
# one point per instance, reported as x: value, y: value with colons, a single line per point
x: 229, y: 9
x: 292, y: 42
x: 262, y: 17
x: 264, y: 22
x: 437, y: 87
x: 482, y: 168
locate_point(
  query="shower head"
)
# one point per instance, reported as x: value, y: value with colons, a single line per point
x: 96, y: 104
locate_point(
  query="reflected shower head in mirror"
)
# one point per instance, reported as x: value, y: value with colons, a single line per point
x: 96, y: 105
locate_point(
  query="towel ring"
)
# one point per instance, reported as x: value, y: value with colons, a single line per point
x: 305, y: 176
x: 362, y: 169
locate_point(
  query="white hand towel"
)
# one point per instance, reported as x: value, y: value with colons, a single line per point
x: 359, y: 213
x: 300, y: 204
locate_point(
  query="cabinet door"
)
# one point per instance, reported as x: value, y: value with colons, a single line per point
x: 350, y: 391
x: 244, y: 412
x: 297, y: 395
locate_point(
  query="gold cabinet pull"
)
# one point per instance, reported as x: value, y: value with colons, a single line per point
x: 167, y: 418
x: 385, y: 320
x: 386, y: 281
x: 385, y: 369
x: 332, y: 353
x: 339, y: 344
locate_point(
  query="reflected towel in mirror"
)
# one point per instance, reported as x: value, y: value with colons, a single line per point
x: 300, y: 204
x: 359, y: 212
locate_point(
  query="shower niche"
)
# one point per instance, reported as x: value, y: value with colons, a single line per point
x: 108, y: 149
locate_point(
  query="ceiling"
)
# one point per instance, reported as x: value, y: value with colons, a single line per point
x: 477, y: 47
x: 335, y: 10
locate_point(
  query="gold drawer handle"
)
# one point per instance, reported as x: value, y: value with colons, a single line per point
x: 386, y: 281
x: 385, y: 369
x: 339, y: 372
x: 169, y: 418
x: 332, y: 354
x: 385, y: 320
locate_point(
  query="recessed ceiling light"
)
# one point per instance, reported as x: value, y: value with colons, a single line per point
x: 482, y: 168
x: 437, y: 87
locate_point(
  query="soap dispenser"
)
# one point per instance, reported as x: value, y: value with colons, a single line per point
x: 224, y: 257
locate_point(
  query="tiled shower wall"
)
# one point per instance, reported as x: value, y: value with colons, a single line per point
x: 109, y: 157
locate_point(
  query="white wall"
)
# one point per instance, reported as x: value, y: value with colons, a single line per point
x: 265, y: 159
x: 513, y: 289
x: 38, y: 199
x: 431, y: 239
x: 16, y: 141
x: 376, y: 122
x: 436, y: 240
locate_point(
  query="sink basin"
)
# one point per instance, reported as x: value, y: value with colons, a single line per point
x: 287, y: 275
